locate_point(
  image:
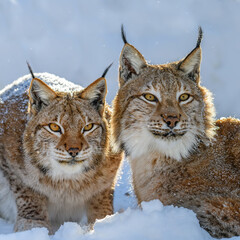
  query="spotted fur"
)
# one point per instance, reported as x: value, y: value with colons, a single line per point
x: 177, y: 151
x: 51, y: 177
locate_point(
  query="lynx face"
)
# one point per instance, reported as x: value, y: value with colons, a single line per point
x: 161, y: 108
x: 65, y: 132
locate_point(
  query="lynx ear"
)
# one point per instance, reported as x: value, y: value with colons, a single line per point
x: 40, y: 95
x: 96, y: 93
x: 131, y: 63
x: 191, y: 63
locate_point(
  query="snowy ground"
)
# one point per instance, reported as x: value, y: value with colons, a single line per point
x: 78, y: 39
x: 153, y: 222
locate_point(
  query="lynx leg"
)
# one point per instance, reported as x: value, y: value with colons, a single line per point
x: 32, y: 210
x: 100, y: 205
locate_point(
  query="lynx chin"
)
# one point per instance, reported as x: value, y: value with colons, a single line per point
x: 164, y: 120
x: 56, y: 162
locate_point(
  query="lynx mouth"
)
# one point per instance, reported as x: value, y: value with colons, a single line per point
x: 167, y: 134
x: 71, y: 162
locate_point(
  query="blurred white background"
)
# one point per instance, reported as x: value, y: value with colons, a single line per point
x: 78, y: 39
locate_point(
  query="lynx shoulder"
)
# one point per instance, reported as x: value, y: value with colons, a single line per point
x: 55, y: 159
x: 164, y: 120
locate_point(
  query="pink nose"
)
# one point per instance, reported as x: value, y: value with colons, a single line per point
x: 171, y: 120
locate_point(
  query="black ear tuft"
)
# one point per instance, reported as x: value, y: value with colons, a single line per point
x: 123, y: 35
x: 30, y: 69
x: 200, y: 36
x: 190, y: 65
x: 106, y: 70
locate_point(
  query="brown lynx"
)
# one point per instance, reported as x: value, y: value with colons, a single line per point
x: 56, y: 163
x: 164, y: 121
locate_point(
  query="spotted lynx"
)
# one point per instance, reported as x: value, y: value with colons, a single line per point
x: 56, y: 163
x: 164, y: 121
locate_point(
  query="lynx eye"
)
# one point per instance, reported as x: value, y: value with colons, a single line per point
x: 88, y: 127
x: 184, y: 97
x: 150, y: 97
x: 54, y: 127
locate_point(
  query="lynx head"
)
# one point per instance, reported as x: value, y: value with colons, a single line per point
x: 161, y: 108
x: 66, y: 134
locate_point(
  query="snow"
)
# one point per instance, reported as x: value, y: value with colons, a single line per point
x: 124, y: 196
x: 153, y: 222
x: 34, y: 234
x: 78, y: 39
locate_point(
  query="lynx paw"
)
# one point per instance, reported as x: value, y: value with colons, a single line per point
x: 24, y: 224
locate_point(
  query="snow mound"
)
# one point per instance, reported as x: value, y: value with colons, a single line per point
x: 153, y: 221
x: 22, y: 84
x: 33, y: 234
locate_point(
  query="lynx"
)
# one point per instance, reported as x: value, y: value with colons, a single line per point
x: 56, y: 163
x: 164, y: 120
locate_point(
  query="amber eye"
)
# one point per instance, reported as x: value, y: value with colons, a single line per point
x: 88, y: 127
x: 184, y: 97
x: 54, y: 127
x: 150, y: 97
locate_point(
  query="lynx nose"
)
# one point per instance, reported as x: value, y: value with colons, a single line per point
x: 171, y: 120
x: 73, y: 151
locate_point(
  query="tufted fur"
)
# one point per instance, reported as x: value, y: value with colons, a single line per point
x: 47, y: 185
x: 177, y: 151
